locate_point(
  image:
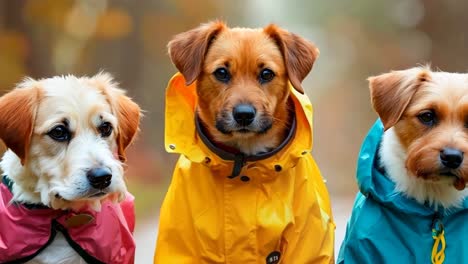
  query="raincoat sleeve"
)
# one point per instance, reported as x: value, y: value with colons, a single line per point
x: 311, y: 240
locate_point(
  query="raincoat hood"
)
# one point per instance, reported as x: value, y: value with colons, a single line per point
x: 98, y: 237
x: 182, y: 131
x: 276, y: 211
x: 386, y: 226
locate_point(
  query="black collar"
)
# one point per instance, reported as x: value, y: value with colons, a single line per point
x: 239, y: 158
x: 9, y: 184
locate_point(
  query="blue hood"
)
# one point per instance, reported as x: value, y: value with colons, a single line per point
x: 373, y: 182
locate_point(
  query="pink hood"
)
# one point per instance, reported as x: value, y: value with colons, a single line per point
x: 106, y: 239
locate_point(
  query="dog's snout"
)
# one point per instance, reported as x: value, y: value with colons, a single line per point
x: 451, y: 158
x: 244, y: 114
x: 99, y: 178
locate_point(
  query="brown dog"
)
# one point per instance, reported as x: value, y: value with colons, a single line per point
x: 243, y: 81
x: 233, y: 112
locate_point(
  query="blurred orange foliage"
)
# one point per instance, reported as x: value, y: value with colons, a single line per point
x: 113, y: 24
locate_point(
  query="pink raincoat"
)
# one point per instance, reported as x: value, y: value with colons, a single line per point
x: 105, y: 239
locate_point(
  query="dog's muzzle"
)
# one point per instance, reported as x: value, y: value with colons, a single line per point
x: 243, y: 119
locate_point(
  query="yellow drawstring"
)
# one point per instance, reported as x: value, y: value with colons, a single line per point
x: 438, y: 255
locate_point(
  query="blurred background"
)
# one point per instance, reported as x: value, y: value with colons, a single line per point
x: 127, y: 38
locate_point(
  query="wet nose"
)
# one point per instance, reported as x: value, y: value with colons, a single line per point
x: 99, y: 178
x: 451, y: 158
x: 244, y: 114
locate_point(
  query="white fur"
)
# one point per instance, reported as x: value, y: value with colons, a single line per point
x: 436, y: 193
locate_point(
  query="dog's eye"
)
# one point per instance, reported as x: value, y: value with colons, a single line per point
x: 222, y: 74
x: 105, y: 129
x: 59, y: 133
x: 266, y: 75
x: 428, y: 118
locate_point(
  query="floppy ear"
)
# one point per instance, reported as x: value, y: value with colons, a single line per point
x: 17, y: 117
x: 128, y: 112
x: 128, y: 115
x: 392, y: 92
x: 299, y: 54
x: 188, y: 49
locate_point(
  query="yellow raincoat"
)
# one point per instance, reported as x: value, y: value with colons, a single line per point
x: 276, y: 211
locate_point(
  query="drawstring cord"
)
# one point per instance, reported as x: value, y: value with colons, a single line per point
x: 438, y: 249
x: 239, y: 161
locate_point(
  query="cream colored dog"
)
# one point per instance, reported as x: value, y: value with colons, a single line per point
x: 66, y: 138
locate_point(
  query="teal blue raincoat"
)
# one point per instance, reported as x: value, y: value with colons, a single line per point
x: 388, y: 227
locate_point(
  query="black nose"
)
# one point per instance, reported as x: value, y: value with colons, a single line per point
x: 451, y: 158
x: 99, y: 178
x: 244, y: 114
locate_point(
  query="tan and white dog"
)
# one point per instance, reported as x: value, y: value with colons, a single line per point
x: 411, y: 172
x: 66, y: 138
x: 425, y: 115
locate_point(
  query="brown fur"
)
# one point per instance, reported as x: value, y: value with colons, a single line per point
x: 245, y: 52
x: 392, y: 92
x: 299, y: 54
x: 188, y: 49
x: 128, y: 114
x: 17, y: 115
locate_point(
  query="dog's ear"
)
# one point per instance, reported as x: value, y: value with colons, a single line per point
x: 299, y: 54
x: 17, y: 117
x: 392, y: 92
x: 128, y: 112
x: 188, y: 49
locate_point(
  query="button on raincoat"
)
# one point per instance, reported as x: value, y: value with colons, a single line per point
x: 276, y: 211
x: 387, y: 227
x: 25, y: 231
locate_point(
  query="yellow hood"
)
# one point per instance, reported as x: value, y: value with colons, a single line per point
x: 278, y: 211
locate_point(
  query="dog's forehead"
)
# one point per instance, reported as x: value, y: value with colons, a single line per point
x: 448, y: 85
x: 71, y: 97
x: 244, y: 46
x: 238, y: 38
x: 449, y: 89
x: 66, y: 85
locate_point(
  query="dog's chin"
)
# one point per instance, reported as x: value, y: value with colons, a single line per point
x: 91, y: 200
x: 444, y: 178
x: 438, y: 176
x: 447, y: 178
x: 243, y: 133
